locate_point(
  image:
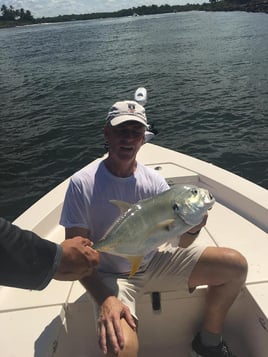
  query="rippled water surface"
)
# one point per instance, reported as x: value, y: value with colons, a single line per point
x: 206, y: 76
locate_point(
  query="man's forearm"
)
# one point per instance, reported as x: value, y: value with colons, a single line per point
x: 187, y: 239
x: 99, y: 291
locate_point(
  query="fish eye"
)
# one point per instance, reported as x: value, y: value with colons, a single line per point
x: 194, y: 191
x: 176, y: 207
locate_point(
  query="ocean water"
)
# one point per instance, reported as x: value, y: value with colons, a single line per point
x: 207, y: 81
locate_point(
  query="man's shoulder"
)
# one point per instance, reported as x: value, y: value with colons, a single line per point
x: 87, y: 172
x: 148, y: 177
x: 149, y: 171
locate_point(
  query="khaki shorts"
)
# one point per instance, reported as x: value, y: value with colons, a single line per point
x: 169, y: 270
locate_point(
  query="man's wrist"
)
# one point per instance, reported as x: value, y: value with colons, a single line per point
x: 193, y: 234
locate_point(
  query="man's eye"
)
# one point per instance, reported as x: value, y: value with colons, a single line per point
x: 137, y: 133
x: 121, y: 133
x: 132, y: 133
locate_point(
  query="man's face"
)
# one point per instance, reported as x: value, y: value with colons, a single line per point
x: 125, y: 140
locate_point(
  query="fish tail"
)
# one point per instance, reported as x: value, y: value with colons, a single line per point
x: 135, y: 264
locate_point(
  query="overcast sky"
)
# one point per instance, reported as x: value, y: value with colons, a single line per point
x: 41, y: 8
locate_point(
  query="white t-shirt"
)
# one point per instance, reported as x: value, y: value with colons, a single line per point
x: 87, y: 203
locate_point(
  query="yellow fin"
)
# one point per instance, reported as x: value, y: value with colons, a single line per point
x: 165, y: 224
x: 135, y: 264
x: 123, y: 206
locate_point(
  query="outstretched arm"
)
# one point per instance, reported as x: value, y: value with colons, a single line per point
x: 30, y: 262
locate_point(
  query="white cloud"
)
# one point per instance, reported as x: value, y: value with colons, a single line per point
x: 41, y: 8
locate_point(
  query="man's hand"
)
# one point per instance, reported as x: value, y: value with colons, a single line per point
x: 189, y: 237
x: 109, y: 325
x: 198, y: 228
x: 78, y: 259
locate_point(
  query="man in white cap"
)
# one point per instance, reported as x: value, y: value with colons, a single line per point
x: 88, y: 212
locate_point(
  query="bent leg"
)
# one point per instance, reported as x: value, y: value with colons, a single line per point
x: 131, y: 342
x: 224, y: 270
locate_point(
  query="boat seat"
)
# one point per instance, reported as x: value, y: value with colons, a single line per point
x: 228, y: 229
x: 175, y: 174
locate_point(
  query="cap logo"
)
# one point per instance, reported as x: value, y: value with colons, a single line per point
x: 131, y: 108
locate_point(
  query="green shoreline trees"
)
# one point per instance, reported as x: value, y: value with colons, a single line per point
x: 17, y: 17
x: 11, y: 14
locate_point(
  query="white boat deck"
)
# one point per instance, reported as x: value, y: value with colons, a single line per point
x: 32, y: 321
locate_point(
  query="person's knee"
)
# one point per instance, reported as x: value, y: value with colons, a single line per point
x: 131, y: 343
x: 130, y: 350
x: 218, y: 266
x: 237, y: 263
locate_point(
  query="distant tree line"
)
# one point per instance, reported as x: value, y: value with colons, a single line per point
x: 213, y: 5
x: 11, y: 16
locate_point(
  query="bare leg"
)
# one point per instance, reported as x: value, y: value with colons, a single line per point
x: 224, y: 270
x: 131, y: 342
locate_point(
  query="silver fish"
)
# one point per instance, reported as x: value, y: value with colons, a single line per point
x: 145, y: 225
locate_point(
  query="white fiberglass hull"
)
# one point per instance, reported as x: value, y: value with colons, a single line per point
x: 59, y: 320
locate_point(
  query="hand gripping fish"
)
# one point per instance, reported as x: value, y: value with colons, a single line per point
x: 145, y: 225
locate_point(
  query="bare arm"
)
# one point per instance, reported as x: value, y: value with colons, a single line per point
x: 189, y: 237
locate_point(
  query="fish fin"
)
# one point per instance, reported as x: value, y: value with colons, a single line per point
x: 165, y: 224
x: 135, y: 264
x: 123, y: 206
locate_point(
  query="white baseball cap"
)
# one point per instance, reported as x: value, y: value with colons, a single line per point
x: 127, y: 110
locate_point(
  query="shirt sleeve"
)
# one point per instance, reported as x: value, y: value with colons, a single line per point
x: 51, y: 272
x: 74, y: 211
x: 26, y: 260
x: 164, y: 186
